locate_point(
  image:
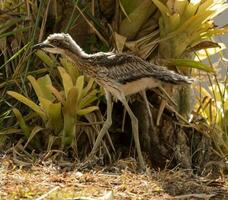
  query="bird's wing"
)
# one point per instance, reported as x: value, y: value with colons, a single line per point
x: 126, y: 68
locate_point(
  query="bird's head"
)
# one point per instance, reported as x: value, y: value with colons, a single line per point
x: 60, y: 43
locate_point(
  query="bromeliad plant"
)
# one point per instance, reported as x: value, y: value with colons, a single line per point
x: 185, y: 23
x: 59, y: 110
x: 184, y: 28
x: 213, y: 106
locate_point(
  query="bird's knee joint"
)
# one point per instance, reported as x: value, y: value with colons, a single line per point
x: 134, y: 120
x: 108, y: 122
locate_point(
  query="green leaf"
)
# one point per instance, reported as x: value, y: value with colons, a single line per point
x: 58, y: 95
x: 129, y: 28
x: 88, y: 99
x: 15, y: 55
x: 29, y: 103
x: 9, y: 23
x: 88, y: 87
x: 21, y: 122
x: 16, y: 31
x: 35, y: 86
x: 44, y: 82
x: 45, y: 103
x: 9, y: 131
x: 41, y: 87
x: 66, y: 80
x: 79, y: 86
x: 87, y: 110
x: 70, y: 105
x: 130, y: 5
x: 34, y: 131
x: 163, y: 9
x: 70, y: 68
x: 45, y: 58
x: 69, y: 115
x: 55, y: 120
x: 189, y: 63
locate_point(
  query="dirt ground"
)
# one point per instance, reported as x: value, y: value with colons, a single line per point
x: 119, y: 182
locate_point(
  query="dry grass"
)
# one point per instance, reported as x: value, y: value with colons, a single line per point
x: 49, y: 182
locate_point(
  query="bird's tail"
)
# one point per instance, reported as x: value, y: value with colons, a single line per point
x: 173, y: 77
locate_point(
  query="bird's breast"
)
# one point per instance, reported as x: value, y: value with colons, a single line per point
x: 136, y: 86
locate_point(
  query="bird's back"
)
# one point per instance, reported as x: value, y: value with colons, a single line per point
x: 125, y: 68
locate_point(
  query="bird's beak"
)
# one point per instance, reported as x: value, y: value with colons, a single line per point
x: 42, y: 46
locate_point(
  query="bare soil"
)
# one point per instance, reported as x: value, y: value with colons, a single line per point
x: 121, y: 181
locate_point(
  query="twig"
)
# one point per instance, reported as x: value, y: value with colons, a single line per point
x: 49, y: 192
x: 204, y: 196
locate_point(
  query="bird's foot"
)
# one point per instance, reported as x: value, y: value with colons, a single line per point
x: 142, y: 165
x: 90, y: 162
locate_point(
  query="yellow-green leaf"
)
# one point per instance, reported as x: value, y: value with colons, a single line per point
x: 44, y: 82
x: 55, y: 120
x: 59, y: 96
x: 41, y: 87
x: 21, y: 122
x: 189, y: 63
x: 70, y: 68
x: 69, y: 115
x: 34, y: 131
x: 79, y: 86
x: 87, y: 110
x: 35, y: 86
x: 29, y: 103
x: 164, y: 10
x: 137, y: 18
x: 45, y: 103
x: 88, y: 87
x: 45, y: 58
x: 66, y: 80
x: 70, y: 106
x: 88, y: 99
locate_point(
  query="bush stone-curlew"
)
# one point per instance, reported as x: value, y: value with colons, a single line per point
x: 119, y: 74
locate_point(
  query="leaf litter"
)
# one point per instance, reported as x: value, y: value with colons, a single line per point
x: 119, y: 181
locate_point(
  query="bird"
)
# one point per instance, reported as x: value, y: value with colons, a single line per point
x: 120, y: 74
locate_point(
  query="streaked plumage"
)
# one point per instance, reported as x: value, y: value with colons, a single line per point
x: 126, y: 68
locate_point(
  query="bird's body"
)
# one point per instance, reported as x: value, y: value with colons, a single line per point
x: 119, y: 74
x: 124, y: 73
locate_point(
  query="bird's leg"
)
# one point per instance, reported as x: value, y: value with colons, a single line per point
x: 166, y: 94
x: 143, y: 93
x: 123, y: 121
x: 160, y: 111
x: 135, y: 131
x: 106, y: 125
x: 163, y: 104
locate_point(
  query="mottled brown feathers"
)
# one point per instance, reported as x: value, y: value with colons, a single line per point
x: 125, y: 68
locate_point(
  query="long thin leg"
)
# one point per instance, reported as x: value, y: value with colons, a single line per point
x: 167, y: 95
x: 106, y: 125
x: 160, y: 111
x: 135, y: 131
x: 163, y: 104
x: 143, y: 93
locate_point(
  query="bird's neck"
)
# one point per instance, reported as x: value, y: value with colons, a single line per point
x: 77, y: 57
x: 78, y: 51
x: 81, y: 54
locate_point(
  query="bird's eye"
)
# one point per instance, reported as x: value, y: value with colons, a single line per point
x: 55, y: 42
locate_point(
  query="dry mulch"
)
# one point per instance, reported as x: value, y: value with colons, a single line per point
x: 117, y: 182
